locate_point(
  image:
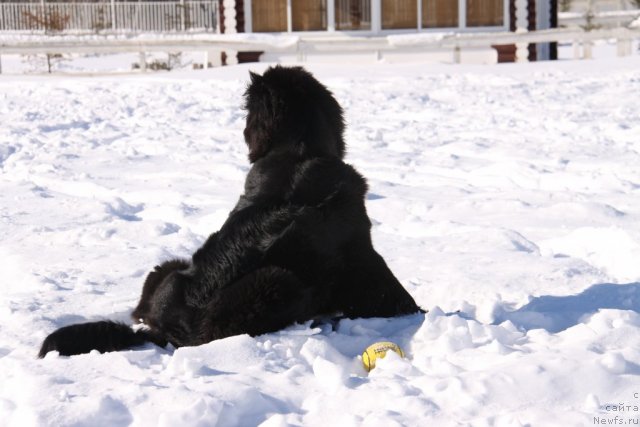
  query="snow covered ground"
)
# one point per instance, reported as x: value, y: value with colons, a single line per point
x: 505, y: 198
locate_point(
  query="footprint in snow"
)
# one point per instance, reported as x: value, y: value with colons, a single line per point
x: 121, y: 209
x: 5, y: 153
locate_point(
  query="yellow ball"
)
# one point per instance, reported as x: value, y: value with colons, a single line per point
x: 378, y: 351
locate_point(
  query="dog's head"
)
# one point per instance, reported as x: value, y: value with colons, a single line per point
x: 289, y: 110
x: 162, y: 306
x: 157, y: 286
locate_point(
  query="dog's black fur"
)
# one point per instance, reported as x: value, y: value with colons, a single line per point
x: 296, y: 246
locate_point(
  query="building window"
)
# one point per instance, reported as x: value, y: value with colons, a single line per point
x: 269, y: 16
x: 397, y: 14
x: 353, y: 15
x: 485, y: 13
x: 309, y: 15
x: 439, y: 13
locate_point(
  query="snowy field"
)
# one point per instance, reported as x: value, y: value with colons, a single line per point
x: 505, y: 198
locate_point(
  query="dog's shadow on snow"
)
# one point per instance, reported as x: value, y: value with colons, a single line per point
x: 557, y: 313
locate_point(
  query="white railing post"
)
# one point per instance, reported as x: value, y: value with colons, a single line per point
x: 248, y: 19
x: 576, y: 49
x: 230, y: 24
x: 624, y: 44
x: 628, y: 46
x: 522, y: 21
x: 183, y: 16
x: 376, y: 16
x: 289, y: 17
x: 621, y: 48
x: 462, y: 23
x: 587, y: 49
x: 43, y: 16
x: 331, y: 15
x: 113, y: 15
x: 230, y: 17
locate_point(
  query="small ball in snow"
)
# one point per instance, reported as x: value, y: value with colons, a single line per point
x: 378, y: 351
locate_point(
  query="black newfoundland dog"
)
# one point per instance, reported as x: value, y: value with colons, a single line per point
x: 297, y: 245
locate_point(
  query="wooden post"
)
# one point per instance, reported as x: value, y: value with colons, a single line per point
x: 219, y: 22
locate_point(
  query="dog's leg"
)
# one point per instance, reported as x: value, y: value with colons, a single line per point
x: 265, y: 300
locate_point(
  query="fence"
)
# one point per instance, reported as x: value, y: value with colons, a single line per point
x: 120, y: 16
x: 306, y: 46
x: 612, y: 19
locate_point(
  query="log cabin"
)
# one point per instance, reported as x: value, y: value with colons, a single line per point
x: 385, y: 17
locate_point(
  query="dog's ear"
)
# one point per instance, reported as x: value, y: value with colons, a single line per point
x: 152, y: 282
x: 262, y: 106
x: 255, y: 78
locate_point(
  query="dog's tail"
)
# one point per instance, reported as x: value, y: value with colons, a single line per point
x: 103, y: 336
